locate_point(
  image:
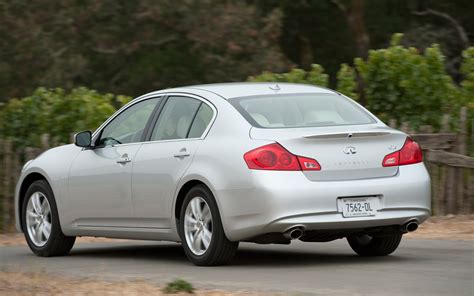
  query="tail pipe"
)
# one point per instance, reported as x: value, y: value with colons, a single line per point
x: 410, y: 226
x: 294, y: 233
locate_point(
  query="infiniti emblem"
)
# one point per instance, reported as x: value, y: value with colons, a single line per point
x: 276, y: 87
x: 350, y: 150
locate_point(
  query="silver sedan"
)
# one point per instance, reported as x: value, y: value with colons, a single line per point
x: 212, y: 165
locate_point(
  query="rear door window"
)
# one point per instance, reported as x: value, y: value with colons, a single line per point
x: 175, y: 119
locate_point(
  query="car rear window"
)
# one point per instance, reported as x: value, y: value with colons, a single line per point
x: 300, y: 110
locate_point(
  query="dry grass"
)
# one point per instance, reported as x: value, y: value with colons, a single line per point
x: 18, y: 239
x: 450, y: 227
x: 15, y: 284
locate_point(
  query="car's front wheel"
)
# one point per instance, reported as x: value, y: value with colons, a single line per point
x: 40, y: 222
x: 201, y: 231
x: 366, y: 245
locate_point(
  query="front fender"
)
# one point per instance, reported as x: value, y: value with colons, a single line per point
x: 53, y: 165
x: 25, y: 175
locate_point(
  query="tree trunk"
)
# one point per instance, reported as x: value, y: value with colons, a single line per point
x: 355, y: 19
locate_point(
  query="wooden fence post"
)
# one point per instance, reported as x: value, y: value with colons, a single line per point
x: 15, y: 175
x: 392, y: 123
x: 7, y: 170
x: 434, y: 174
x: 405, y: 127
x: 462, y: 201
x: 443, y: 174
x: 45, y: 141
x: 2, y: 173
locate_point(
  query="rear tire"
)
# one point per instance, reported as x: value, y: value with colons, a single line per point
x: 365, y: 245
x: 217, y: 250
x: 45, y: 238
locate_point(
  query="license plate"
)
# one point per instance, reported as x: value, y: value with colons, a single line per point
x: 359, y: 206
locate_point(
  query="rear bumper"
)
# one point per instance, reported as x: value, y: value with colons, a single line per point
x: 280, y: 200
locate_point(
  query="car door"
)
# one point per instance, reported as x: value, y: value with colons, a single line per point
x: 100, y: 178
x: 161, y: 162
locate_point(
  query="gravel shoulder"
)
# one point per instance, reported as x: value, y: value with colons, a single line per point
x: 16, y: 284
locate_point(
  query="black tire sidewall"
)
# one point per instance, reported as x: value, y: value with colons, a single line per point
x: 217, y: 230
x: 377, y: 246
x: 43, y: 187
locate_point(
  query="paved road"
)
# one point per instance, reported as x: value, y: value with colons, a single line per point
x: 419, y: 267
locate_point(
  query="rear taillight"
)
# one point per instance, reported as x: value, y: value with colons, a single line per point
x: 275, y: 157
x: 409, y: 154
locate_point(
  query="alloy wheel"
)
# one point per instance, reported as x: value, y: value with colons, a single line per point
x: 38, y: 219
x: 198, y: 225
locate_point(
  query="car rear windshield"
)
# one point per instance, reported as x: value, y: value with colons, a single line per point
x: 300, y: 110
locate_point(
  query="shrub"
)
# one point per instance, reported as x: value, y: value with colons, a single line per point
x: 399, y: 83
x: 56, y: 112
x: 346, y: 81
x: 467, y: 69
x: 403, y: 84
x: 315, y: 76
x: 178, y: 286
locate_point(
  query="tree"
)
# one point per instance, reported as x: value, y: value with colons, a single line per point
x: 354, y: 14
x: 133, y: 46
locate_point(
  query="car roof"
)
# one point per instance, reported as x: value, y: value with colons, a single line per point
x: 245, y: 89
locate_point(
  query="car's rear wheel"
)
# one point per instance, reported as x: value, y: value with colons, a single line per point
x: 40, y: 222
x: 201, y: 230
x: 366, y: 245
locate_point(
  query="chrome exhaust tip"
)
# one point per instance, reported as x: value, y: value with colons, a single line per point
x: 410, y: 226
x: 294, y: 233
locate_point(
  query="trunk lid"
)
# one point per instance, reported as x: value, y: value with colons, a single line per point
x: 344, y: 152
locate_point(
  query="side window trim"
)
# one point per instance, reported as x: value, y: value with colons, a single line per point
x: 147, y: 126
x: 185, y: 95
x: 153, y: 118
x: 194, y: 118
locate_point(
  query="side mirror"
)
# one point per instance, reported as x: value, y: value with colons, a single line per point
x: 83, y: 139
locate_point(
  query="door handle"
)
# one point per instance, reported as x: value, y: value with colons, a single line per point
x: 182, y: 153
x: 124, y: 159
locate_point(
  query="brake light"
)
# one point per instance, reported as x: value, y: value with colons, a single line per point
x: 409, y: 154
x: 275, y: 157
x: 308, y: 164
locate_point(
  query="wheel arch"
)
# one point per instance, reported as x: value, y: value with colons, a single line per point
x: 182, y: 194
x: 25, y: 184
x: 189, y: 183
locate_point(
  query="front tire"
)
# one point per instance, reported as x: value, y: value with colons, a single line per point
x: 201, y: 231
x: 40, y: 222
x: 366, y: 245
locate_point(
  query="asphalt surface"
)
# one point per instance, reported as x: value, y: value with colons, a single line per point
x: 418, y: 267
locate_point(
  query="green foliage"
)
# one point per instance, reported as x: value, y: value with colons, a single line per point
x: 56, y: 112
x: 346, y: 78
x: 346, y: 81
x: 399, y: 83
x: 178, y: 286
x: 315, y: 76
x: 467, y: 69
x: 403, y: 84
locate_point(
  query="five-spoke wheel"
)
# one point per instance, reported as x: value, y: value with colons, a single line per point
x: 40, y: 222
x: 198, y: 225
x: 38, y: 219
x: 201, y: 230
